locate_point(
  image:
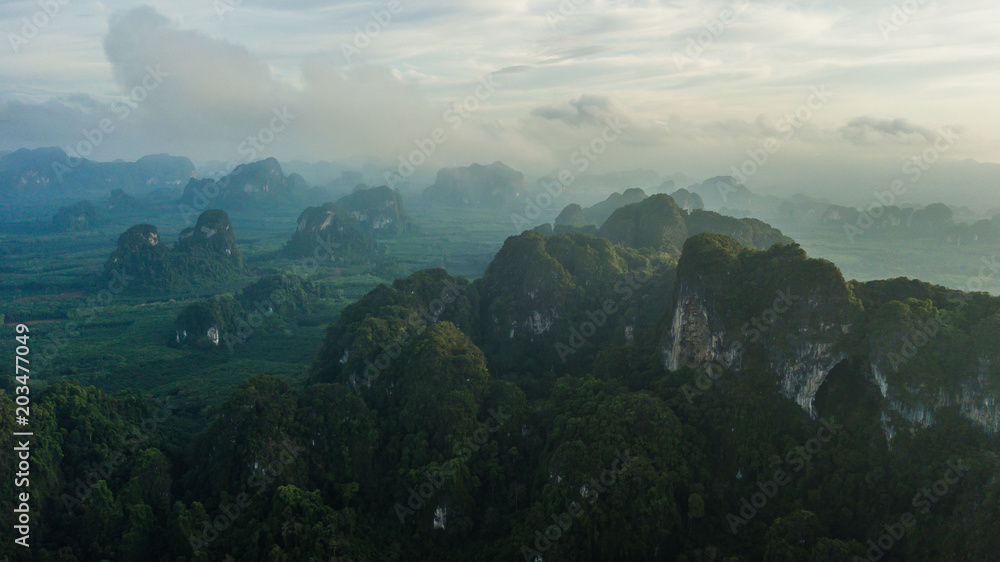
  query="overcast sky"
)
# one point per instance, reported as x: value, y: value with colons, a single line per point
x: 698, y: 84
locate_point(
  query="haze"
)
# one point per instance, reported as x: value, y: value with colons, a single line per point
x: 698, y: 83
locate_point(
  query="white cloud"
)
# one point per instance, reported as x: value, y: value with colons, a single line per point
x: 555, y: 83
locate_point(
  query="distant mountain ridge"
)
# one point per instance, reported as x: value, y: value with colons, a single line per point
x: 49, y: 173
x: 658, y: 222
x: 253, y: 185
x: 379, y: 211
x: 496, y: 185
x: 331, y: 233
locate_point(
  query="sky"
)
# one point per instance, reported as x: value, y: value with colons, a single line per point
x: 830, y: 99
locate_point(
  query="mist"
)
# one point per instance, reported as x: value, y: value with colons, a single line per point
x: 702, y: 88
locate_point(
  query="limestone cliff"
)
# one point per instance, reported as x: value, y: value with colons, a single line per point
x: 789, y: 312
x: 328, y: 233
x: 924, y: 348
x: 927, y: 354
x: 379, y: 211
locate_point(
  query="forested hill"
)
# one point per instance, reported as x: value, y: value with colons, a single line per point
x: 659, y: 222
x: 46, y: 174
x: 581, y: 401
x: 204, y: 253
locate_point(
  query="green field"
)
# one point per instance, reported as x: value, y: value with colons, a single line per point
x: 114, y: 341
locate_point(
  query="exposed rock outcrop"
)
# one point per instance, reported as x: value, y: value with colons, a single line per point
x: 790, y: 312
x: 249, y: 186
x: 379, y: 211
x: 205, y: 253
x: 334, y: 234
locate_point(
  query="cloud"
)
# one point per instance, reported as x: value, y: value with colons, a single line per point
x: 869, y: 130
x: 556, y: 84
x: 208, y: 79
x: 588, y: 108
x: 514, y: 69
x: 576, y: 53
x: 214, y: 94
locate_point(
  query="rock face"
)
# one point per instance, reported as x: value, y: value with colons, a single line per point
x: 225, y: 321
x: 777, y: 307
x: 249, y: 186
x: 80, y: 216
x: 138, y: 239
x: 205, y: 253
x: 379, y: 211
x: 205, y: 323
x: 929, y: 349
x: 47, y: 173
x: 141, y: 258
x: 539, y: 289
x: 333, y: 233
x: 495, y: 186
x: 776, y: 318
x: 924, y: 348
x: 693, y: 341
x: 212, y: 235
